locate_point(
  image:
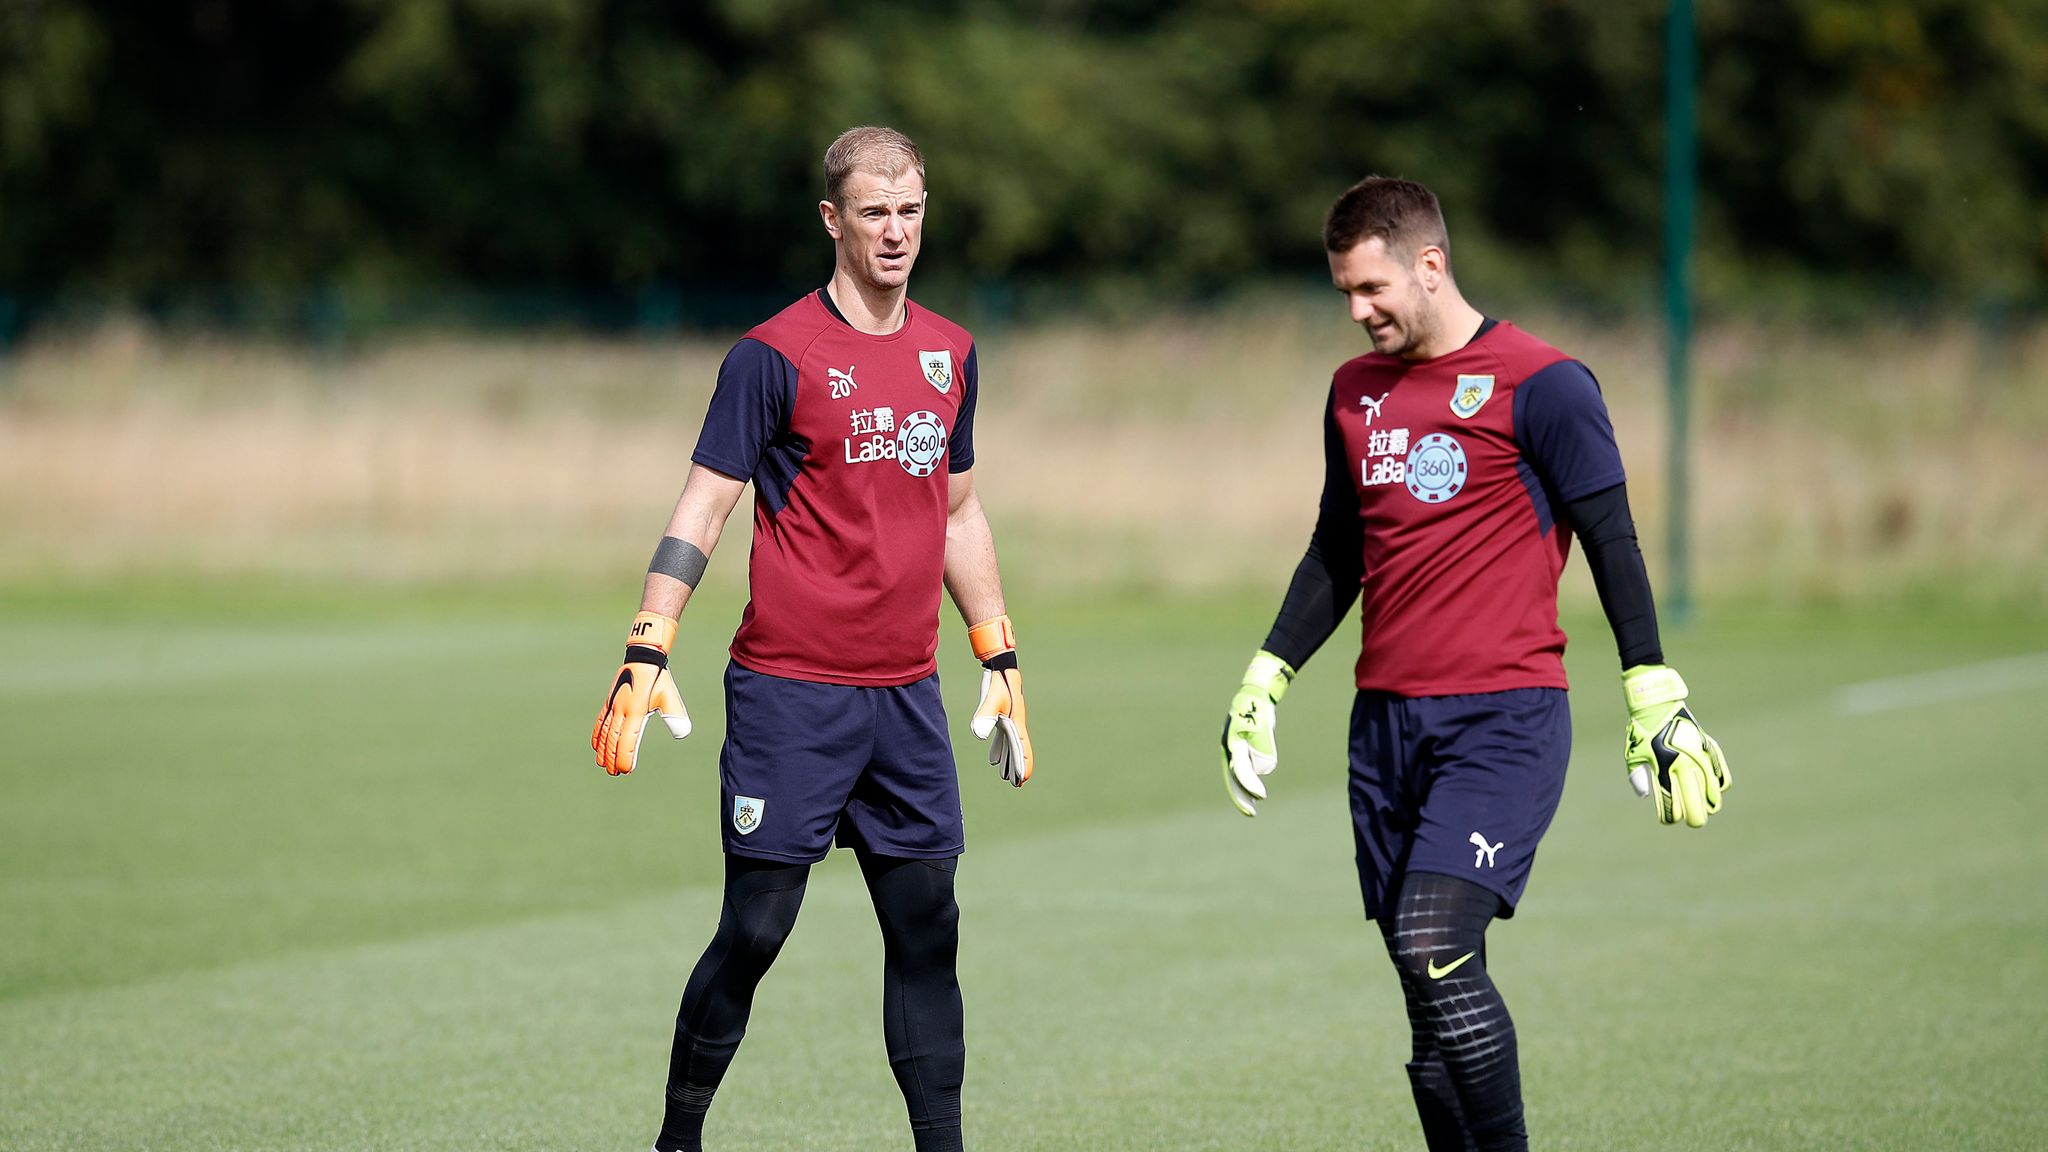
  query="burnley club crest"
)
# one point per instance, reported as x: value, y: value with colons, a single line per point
x: 746, y: 813
x: 1472, y: 393
x: 938, y: 368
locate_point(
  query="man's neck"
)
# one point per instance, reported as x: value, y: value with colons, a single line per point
x: 875, y: 311
x: 1457, y: 323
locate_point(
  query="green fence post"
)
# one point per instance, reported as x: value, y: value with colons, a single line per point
x: 1680, y: 180
x: 10, y: 321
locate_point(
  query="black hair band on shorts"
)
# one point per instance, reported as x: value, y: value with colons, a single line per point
x: 679, y: 558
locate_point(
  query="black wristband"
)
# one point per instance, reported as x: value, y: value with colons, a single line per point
x: 1001, y: 661
x: 678, y: 558
x: 642, y: 654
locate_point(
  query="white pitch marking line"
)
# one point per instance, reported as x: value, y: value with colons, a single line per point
x: 1986, y: 679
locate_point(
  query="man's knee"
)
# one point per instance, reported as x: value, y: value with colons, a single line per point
x: 761, y: 928
x: 761, y: 905
x: 915, y: 905
x: 1437, y: 935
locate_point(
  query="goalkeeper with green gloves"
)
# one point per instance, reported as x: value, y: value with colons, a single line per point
x: 1461, y: 455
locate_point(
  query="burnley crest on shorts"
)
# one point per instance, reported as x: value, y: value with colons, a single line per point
x: 746, y: 813
x: 938, y: 368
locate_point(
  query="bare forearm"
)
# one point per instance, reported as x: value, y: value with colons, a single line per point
x: 699, y: 519
x: 972, y: 577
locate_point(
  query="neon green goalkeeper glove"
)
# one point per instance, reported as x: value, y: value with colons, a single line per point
x: 1248, y: 749
x: 1666, y: 749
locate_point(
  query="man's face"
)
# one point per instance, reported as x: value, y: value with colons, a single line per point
x: 1387, y: 296
x: 879, y: 227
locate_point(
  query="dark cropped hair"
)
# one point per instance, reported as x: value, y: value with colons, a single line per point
x: 1403, y: 214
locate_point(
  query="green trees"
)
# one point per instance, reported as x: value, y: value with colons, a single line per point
x: 1172, y: 148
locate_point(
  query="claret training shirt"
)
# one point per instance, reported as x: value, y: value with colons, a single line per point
x: 849, y: 439
x: 1460, y: 466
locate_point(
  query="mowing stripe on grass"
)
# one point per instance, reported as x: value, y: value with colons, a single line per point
x: 44, y: 662
x: 1968, y: 681
x: 1225, y: 998
x: 552, y: 1032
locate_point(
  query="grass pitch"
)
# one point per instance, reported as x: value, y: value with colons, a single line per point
x: 290, y: 870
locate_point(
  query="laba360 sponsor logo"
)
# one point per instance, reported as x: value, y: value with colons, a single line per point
x: 918, y: 443
x: 1433, y: 468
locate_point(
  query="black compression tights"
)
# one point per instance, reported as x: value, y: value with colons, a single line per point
x: 761, y: 903
x: 922, y: 1018
x: 1467, y: 1082
x: 922, y: 1021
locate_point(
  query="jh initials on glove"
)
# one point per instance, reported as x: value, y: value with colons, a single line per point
x: 1001, y: 712
x: 642, y: 689
x: 1665, y: 750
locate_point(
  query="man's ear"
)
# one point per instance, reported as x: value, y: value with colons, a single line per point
x: 1431, y: 267
x: 829, y: 213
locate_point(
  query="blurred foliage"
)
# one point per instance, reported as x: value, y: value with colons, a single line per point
x: 371, y: 146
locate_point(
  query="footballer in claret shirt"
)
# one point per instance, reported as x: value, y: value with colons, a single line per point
x: 852, y: 413
x: 1460, y: 456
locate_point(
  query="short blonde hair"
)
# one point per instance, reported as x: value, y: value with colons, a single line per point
x: 869, y: 148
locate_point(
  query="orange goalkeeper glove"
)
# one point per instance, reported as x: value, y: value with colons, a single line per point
x: 1001, y: 713
x: 642, y: 689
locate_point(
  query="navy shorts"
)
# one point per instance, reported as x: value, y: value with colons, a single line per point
x: 805, y: 764
x: 1461, y: 786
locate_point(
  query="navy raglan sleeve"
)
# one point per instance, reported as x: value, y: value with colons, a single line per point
x: 960, y: 446
x: 1562, y: 427
x: 752, y: 403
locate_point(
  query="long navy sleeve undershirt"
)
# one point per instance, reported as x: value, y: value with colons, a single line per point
x: 1326, y: 582
x: 1608, y: 534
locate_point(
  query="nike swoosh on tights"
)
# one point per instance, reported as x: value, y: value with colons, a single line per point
x: 1436, y: 973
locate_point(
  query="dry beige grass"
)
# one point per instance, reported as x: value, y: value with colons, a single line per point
x: 1179, y: 453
